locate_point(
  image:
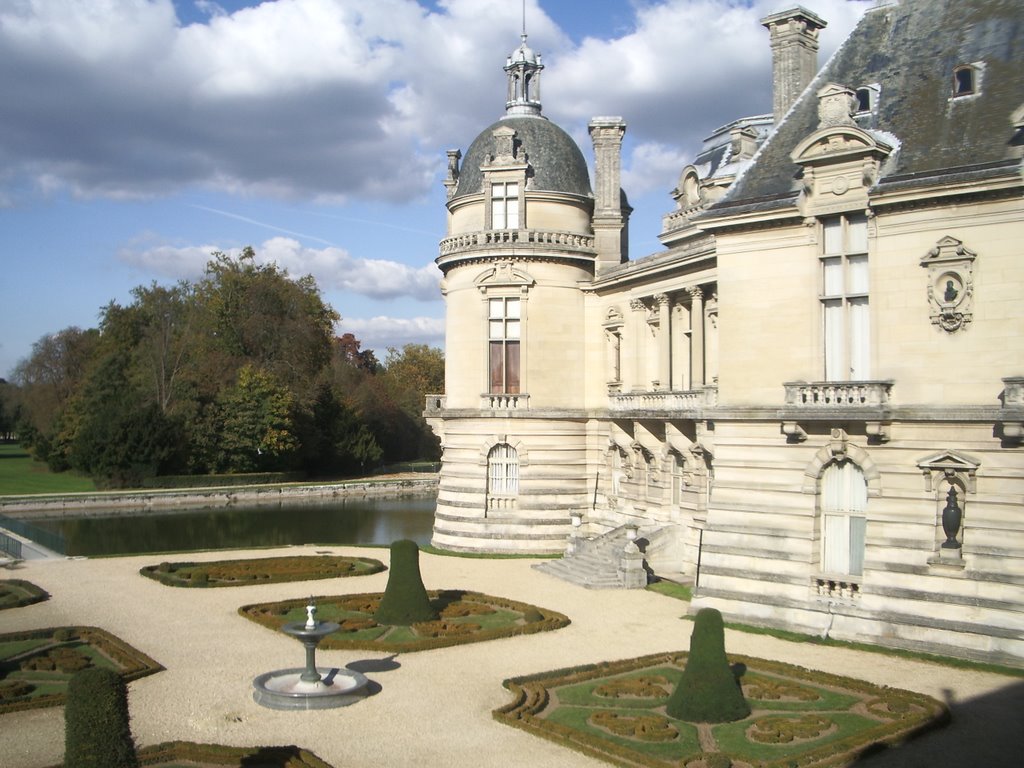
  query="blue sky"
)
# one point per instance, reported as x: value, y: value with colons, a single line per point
x: 138, y: 136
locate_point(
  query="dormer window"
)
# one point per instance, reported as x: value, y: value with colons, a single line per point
x: 867, y: 98
x: 505, y: 205
x: 966, y: 80
x: 863, y: 99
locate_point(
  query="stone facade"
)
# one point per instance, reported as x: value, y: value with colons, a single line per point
x: 811, y: 402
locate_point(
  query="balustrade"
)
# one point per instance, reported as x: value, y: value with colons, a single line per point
x: 688, y: 400
x: 838, y: 394
x: 499, y: 402
x: 491, y: 238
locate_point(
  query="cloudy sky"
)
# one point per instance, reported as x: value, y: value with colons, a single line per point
x: 139, y: 136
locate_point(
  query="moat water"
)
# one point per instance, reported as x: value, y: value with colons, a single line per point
x: 374, y: 521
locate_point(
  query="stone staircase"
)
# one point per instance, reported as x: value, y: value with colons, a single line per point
x: 610, y: 561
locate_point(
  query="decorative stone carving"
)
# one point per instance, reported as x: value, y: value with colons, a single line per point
x: 957, y: 467
x: 451, y: 179
x: 837, y: 105
x: 950, y: 284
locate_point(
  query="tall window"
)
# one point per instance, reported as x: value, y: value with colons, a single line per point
x: 677, y: 479
x: 505, y: 205
x: 504, y: 326
x: 844, y: 298
x: 844, y: 501
x: 503, y: 470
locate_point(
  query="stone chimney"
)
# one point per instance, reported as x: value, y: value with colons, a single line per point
x: 610, y: 219
x: 794, y: 41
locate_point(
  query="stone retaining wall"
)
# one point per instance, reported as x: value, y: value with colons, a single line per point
x: 143, y: 502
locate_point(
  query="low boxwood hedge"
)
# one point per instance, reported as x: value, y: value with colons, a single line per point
x: 265, y: 570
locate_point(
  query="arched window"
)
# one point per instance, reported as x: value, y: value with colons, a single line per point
x: 503, y: 471
x: 844, y: 501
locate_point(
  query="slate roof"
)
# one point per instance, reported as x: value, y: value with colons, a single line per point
x: 910, y: 50
x: 556, y: 162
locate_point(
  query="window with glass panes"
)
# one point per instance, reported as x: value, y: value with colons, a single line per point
x: 844, y: 298
x: 504, y: 332
x: 504, y: 205
x: 503, y: 470
x: 844, y: 501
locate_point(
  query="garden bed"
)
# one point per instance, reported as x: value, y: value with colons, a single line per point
x: 15, y: 593
x: 465, y: 617
x: 36, y: 665
x: 799, y: 718
x: 264, y: 570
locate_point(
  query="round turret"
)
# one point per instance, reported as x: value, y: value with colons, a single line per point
x: 556, y: 163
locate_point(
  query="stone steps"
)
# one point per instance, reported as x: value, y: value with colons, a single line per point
x: 595, y: 564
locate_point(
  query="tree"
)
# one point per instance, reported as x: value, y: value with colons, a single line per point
x: 47, y: 380
x: 347, y: 347
x: 255, y: 314
x: 409, y: 375
x: 257, y: 427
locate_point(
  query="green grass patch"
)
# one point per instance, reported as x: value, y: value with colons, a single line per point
x: 616, y: 711
x: 465, y: 617
x: 932, y: 658
x: 432, y: 550
x: 672, y: 589
x: 265, y: 570
x: 36, y: 665
x: 20, y: 474
x: 15, y: 593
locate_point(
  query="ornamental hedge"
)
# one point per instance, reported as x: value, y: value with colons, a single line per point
x: 264, y: 570
x: 405, y: 600
x: 15, y: 593
x: 97, y: 732
x: 708, y: 691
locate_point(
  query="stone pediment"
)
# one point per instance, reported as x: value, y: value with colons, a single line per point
x: 836, y: 144
x: 504, y: 275
x: 839, y: 164
x: 949, y: 464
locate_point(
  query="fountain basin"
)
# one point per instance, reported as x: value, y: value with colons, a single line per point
x: 287, y: 690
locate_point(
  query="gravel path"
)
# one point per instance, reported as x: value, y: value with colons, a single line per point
x: 433, y: 708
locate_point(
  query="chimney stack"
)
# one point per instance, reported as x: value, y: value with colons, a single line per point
x: 610, y: 219
x: 794, y: 41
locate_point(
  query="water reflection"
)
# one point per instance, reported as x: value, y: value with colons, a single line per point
x: 346, y: 521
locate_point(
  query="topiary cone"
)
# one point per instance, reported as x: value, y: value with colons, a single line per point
x: 405, y: 598
x: 708, y: 691
x: 97, y: 730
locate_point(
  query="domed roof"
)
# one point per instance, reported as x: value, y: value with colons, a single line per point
x: 556, y: 163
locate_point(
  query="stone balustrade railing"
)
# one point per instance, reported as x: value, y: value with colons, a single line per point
x: 688, y: 400
x: 838, y: 394
x: 434, y: 404
x: 529, y: 238
x: 495, y: 402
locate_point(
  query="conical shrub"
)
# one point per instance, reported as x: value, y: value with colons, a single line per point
x: 405, y: 598
x: 708, y: 691
x: 97, y: 731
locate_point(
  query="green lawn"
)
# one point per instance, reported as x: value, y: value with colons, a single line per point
x: 20, y: 473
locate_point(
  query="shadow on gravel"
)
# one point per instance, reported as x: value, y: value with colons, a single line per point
x: 985, y: 731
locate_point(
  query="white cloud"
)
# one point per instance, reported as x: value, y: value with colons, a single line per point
x: 336, y: 99
x: 334, y: 269
x: 379, y: 333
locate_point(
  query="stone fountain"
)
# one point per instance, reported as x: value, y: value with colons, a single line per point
x: 309, y: 687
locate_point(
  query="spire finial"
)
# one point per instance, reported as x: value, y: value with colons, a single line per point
x: 523, y: 68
